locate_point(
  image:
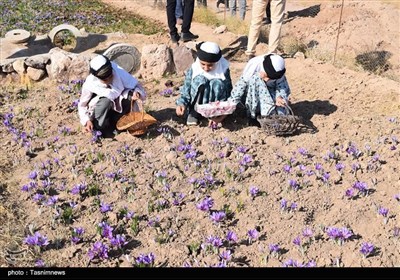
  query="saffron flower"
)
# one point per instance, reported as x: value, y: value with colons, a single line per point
x: 36, y: 240
x: 274, y: 249
x: 118, y: 241
x: 339, y: 234
x: 254, y: 191
x: 218, y: 217
x: 99, y: 250
x: 206, y: 204
x: 39, y: 263
x: 145, y: 260
x: 231, y: 237
x: 252, y: 234
x: 367, y: 249
x: 104, y: 207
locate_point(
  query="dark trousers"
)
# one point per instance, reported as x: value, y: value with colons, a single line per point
x: 188, y: 9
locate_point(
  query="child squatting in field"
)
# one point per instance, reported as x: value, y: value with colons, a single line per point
x: 106, y: 95
x: 207, y: 80
x: 262, y: 86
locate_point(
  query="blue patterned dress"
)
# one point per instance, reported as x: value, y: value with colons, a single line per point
x: 259, y: 96
x: 214, y: 90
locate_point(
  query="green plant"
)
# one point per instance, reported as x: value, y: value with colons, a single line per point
x: 135, y: 225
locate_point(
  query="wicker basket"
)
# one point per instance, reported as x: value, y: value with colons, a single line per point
x: 280, y: 125
x: 136, y: 122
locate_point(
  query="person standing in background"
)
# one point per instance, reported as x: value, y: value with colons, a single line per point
x: 188, y: 9
x: 268, y: 14
x: 179, y: 12
x: 242, y: 8
x: 257, y: 15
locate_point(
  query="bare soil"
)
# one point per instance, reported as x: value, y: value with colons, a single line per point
x: 357, y: 117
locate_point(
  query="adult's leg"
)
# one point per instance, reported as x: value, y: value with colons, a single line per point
x: 277, y: 16
x: 188, y: 9
x: 173, y: 31
x: 242, y: 9
x: 232, y: 7
x: 257, y: 15
x: 178, y: 9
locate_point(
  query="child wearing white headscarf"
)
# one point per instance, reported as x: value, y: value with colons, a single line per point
x: 262, y: 86
x: 207, y: 80
x: 106, y: 95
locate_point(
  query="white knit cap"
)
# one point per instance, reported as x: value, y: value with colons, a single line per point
x: 97, y: 62
x: 277, y: 62
x: 210, y: 47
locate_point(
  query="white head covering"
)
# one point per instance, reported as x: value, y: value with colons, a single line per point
x: 97, y: 62
x: 220, y: 67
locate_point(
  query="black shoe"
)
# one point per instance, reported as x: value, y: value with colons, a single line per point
x: 267, y: 21
x: 189, y: 36
x: 175, y: 38
x: 253, y: 122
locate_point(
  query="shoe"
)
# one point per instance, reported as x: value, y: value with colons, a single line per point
x: 267, y: 21
x: 253, y: 122
x: 179, y: 21
x: 189, y: 36
x: 192, y: 118
x: 175, y: 38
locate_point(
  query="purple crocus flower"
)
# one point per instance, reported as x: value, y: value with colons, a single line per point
x: 36, y: 239
x: 38, y: 197
x: 33, y: 175
x: 145, y: 260
x: 293, y: 184
x: 106, y: 230
x: 246, y: 160
x: 287, y: 168
x: 339, y: 166
x: 303, y: 152
x: 318, y: 166
x: 104, y: 207
x: 214, y: 241
x: 39, y: 263
x: 297, y: 241
x: 307, y: 233
x: 397, y: 197
x: 52, y: 200
x: 349, y: 193
x: 99, y: 250
x: 254, y: 191
x: 118, y: 241
x: 367, y: 249
x: 252, y: 234
x: 241, y: 149
x: 293, y: 206
x: 206, y: 204
x: 383, y: 211
x: 361, y: 187
x: 231, y: 237
x: 226, y: 255
x: 274, y: 248
x: 218, y: 217
x: 283, y: 204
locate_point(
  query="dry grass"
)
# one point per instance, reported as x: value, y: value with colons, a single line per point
x: 210, y: 18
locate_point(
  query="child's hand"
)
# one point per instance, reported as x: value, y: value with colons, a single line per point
x: 88, y: 126
x: 180, y: 110
x: 135, y: 96
x: 280, y: 102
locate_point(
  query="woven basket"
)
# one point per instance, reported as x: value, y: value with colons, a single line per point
x: 136, y: 122
x: 280, y: 125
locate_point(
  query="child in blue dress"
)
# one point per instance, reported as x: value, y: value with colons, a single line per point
x: 207, y: 80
